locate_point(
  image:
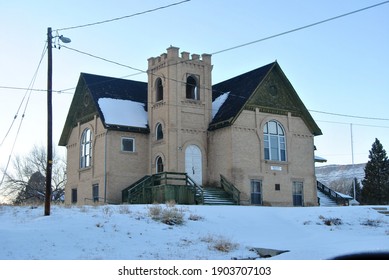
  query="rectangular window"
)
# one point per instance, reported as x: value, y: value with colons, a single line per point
x: 277, y: 187
x: 74, y: 195
x: 256, y: 192
x: 298, y: 195
x: 95, y: 192
x: 128, y: 144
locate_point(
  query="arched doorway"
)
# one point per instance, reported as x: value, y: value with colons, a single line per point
x: 193, y: 163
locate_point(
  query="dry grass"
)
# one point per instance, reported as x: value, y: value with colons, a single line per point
x: 219, y: 243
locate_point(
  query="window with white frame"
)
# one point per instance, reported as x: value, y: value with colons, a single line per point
x: 86, y: 148
x: 128, y: 144
x: 274, y: 141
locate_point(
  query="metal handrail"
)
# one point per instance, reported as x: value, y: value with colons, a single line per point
x: 332, y: 194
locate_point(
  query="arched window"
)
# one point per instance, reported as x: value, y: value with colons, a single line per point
x: 274, y: 141
x: 192, y: 90
x: 86, y: 148
x: 158, y: 132
x: 159, y: 90
x: 159, y: 164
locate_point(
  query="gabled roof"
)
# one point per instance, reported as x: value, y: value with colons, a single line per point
x: 121, y: 104
x: 240, y: 89
x: 265, y: 88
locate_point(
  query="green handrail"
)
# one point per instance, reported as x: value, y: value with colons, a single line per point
x: 230, y: 188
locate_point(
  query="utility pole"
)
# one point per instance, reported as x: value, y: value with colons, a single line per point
x: 49, y: 122
x: 352, y: 158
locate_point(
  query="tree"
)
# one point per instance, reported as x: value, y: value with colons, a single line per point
x: 376, y: 182
x: 26, y: 183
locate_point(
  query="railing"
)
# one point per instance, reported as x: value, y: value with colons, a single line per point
x: 340, y: 200
x: 125, y: 192
x: 162, y: 187
x: 96, y: 200
x: 230, y: 188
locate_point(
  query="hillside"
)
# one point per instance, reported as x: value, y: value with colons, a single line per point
x: 332, y: 173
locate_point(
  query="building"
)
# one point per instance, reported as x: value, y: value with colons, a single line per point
x: 253, y: 129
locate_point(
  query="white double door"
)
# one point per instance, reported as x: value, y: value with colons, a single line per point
x: 193, y: 163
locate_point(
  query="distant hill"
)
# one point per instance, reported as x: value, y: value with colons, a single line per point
x: 329, y: 174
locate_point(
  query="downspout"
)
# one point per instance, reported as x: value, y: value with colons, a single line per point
x: 105, y: 168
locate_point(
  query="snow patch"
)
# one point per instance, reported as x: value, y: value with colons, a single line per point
x: 218, y: 102
x: 123, y: 112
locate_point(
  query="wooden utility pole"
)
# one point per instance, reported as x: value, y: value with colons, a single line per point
x: 49, y: 122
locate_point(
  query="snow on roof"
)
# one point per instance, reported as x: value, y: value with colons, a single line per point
x: 218, y: 102
x: 123, y: 112
x: 320, y: 159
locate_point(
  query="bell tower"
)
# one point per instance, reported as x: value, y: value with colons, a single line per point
x: 180, y: 105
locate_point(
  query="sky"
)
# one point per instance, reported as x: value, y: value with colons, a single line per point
x: 337, y: 67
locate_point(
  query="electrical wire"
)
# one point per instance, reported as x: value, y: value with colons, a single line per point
x: 300, y: 28
x: 350, y: 116
x: 28, y: 90
x: 123, y: 17
x: 23, y: 115
x: 103, y: 59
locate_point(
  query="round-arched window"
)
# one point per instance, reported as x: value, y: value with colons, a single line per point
x: 159, y: 90
x: 158, y: 132
x: 192, y: 90
x: 274, y: 141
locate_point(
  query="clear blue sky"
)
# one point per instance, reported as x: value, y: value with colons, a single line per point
x: 338, y: 67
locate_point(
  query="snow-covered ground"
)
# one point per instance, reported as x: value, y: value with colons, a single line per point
x: 128, y: 232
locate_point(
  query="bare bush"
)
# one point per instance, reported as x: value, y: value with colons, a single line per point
x: 169, y: 215
x: 195, y: 217
x: 331, y: 221
x: 219, y: 243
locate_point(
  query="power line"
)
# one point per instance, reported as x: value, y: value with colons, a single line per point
x: 35, y: 89
x: 123, y: 17
x: 350, y: 116
x: 356, y: 124
x: 300, y: 28
x: 103, y: 59
x: 22, y: 118
x: 28, y: 90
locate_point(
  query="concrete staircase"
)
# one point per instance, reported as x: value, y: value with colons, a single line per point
x: 217, y: 196
x: 382, y: 210
x: 325, y: 201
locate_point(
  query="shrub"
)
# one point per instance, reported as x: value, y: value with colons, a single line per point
x: 172, y: 216
x: 195, y: 217
x: 124, y: 209
x: 331, y: 221
x: 224, y: 245
x: 155, y: 211
x: 169, y: 215
x: 107, y: 211
x: 371, y: 223
x: 219, y: 243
